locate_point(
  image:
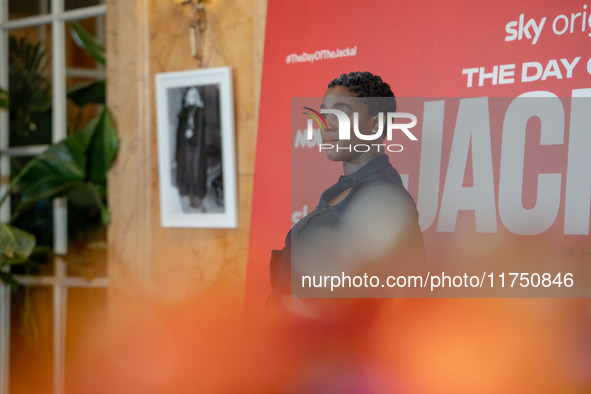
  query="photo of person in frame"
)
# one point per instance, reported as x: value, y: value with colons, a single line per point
x: 197, y: 168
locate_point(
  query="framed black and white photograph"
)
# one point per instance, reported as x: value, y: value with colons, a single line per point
x: 196, y: 150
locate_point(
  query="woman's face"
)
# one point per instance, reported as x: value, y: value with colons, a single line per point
x: 191, y: 97
x: 339, y: 97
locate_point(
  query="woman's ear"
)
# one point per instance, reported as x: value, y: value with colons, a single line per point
x: 375, y: 123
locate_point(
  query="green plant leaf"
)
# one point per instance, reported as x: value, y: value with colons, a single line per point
x: 89, y: 194
x: 62, y: 163
x: 8, y: 279
x: 102, y: 149
x: 85, y: 156
x: 29, y: 93
x: 15, y: 242
x: 88, y: 42
x: 87, y: 92
x: 47, y: 187
x: 44, y: 189
x: 3, y: 98
x: 38, y: 257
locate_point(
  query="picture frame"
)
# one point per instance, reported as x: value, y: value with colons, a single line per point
x: 196, y: 148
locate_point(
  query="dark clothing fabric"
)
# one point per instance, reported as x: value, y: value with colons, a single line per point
x: 191, y: 157
x: 379, y: 171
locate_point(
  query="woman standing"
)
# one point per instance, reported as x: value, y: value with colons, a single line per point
x: 191, y: 157
x: 365, y: 223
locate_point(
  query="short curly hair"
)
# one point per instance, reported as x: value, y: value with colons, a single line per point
x: 366, y: 84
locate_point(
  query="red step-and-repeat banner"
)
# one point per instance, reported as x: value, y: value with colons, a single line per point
x: 497, y: 181
x: 486, y: 168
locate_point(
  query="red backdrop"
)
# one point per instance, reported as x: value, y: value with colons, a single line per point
x: 434, y: 51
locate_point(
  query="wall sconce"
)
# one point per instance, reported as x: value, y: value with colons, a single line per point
x: 197, y: 25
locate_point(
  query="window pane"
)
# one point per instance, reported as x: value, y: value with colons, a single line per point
x: 83, y: 71
x: 85, y: 342
x: 87, y: 247
x: 24, y: 8
x: 71, y: 4
x: 30, y: 86
x: 79, y: 55
x: 37, y: 219
x: 31, y: 340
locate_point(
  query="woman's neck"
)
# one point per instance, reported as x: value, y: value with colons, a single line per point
x: 350, y: 167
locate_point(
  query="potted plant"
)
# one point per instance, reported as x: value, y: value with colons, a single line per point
x: 75, y: 168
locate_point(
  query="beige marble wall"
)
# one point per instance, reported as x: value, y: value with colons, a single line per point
x: 148, y: 264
